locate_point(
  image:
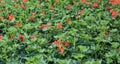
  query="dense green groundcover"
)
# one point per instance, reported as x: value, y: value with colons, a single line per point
x: 59, y: 32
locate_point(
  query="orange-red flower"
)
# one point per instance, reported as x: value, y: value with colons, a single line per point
x: 83, y: 1
x: 21, y: 37
x: 38, y: 5
x: 10, y: 17
x: 51, y: 6
x: 16, y: 5
x: 1, y: 37
x: 56, y: 1
x: 107, y: 8
x: 1, y: 18
x: 66, y: 44
x: 25, y: 0
x: 114, y: 2
x: 95, y: 5
x: 32, y: 37
x: 59, y: 25
x: 68, y: 7
x: 31, y: 18
x: 17, y: 24
x: 114, y: 13
x: 74, y: 2
x: 43, y: 12
x: 22, y: 6
x: 43, y: 26
x: 68, y: 20
x: 61, y: 49
x: 14, y: 0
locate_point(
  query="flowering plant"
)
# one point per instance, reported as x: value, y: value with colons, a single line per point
x: 60, y: 31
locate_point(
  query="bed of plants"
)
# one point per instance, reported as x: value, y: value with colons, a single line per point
x: 59, y: 31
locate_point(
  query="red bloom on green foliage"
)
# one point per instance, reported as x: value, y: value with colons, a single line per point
x: 51, y: 6
x: 10, y: 17
x: 61, y: 49
x: 17, y: 24
x: 59, y: 25
x: 32, y: 37
x: 114, y: 2
x: 16, y: 5
x: 83, y: 1
x: 22, y: 6
x: 88, y: 3
x: 114, y: 13
x: 68, y: 7
x: 1, y: 18
x: 1, y: 37
x: 43, y: 26
x: 66, y: 44
x: 21, y: 37
x: 31, y: 18
x: 95, y: 5
x: 25, y: 0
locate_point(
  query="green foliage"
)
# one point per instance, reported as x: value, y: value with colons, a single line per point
x: 35, y: 33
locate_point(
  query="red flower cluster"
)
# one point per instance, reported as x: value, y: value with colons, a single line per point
x: 114, y: 13
x: 114, y: 2
x: 10, y: 17
x: 25, y: 0
x: 51, y: 6
x: 83, y: 1
x: 60, y: 45
x: 59, y: 25
x: 17, y: 24
x: 22, y: 6
x: 32, y: 37
x: 95, y: 5
x: 1, y: 18
x: 21, y: 37
x: 48, y: 25
x: 31, y: 18
x: 1, y: 37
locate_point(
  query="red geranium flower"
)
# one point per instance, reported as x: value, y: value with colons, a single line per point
x: 95, y: 5
x: 83, y: 1
x: 68, y: 7
x: 114, y: 14
x: 21, y: 37
x: 17, y: 24
x: 61, y: 49
x: 10, y: 17
x: 66, y: 44
x: 16, y: 5
x: 25, y: 0
x: 31, y: 18
x: 114, y: 2
x: 38, y: 5
x: 68, y: 20
x: 43, y: 12
x: 1, y: 37
x: 1, y: 18
x: 88, y: 3
x: 43, y: 26
x: 32, y: 37
x: 51, y: 6
x: 22, y: 6
x: 59, y: 25
x: 74, y: 2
